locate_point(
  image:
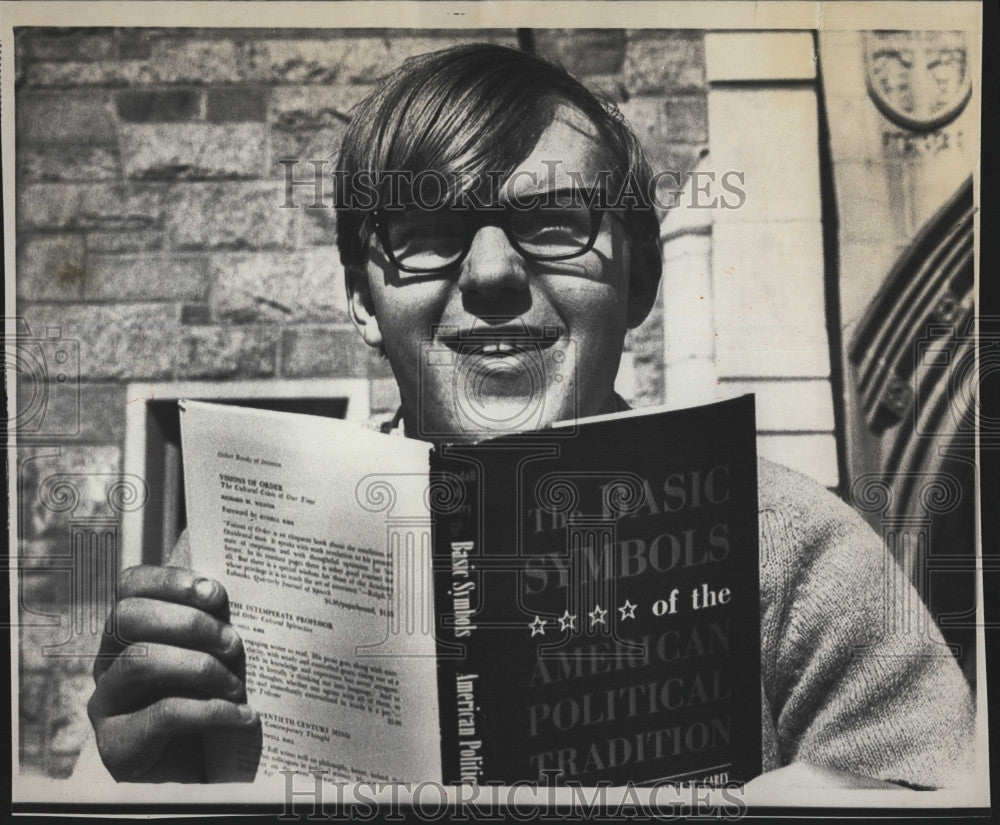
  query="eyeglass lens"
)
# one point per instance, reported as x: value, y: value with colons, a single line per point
x: 431, y: 240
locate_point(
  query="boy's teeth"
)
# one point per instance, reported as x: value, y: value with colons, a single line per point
x: 497, y: 347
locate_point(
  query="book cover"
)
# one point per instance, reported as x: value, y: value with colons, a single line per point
x: 601, y: 580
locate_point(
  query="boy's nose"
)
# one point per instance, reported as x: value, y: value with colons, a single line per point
x: 493, y: 266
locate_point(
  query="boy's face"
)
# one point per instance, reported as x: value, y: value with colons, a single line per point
x: 505, y: 343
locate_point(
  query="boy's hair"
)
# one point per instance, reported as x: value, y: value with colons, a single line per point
x: 470, y: 110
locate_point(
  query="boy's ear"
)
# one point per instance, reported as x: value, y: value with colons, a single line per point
x: 361, y: 306
x: 643, y: 281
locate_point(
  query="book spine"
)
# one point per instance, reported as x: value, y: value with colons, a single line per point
x: 456, y: 584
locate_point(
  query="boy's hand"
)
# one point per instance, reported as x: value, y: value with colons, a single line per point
x: 170, y: 667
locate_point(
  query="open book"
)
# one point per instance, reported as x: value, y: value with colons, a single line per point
x: 576, y: 604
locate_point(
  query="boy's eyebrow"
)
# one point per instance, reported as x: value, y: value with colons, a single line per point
x: 591, y: 192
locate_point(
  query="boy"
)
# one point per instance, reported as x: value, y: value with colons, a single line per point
x: 481, y: 204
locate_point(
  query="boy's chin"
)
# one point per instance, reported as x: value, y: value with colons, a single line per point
x: 467, y: 420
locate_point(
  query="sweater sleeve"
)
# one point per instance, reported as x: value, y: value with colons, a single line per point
x: 856, y: 675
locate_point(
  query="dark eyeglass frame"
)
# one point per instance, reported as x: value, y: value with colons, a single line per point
x: 501, y: 216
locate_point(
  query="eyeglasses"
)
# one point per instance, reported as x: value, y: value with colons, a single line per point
x: 551, y: 226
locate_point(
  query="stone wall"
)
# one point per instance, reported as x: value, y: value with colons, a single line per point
x: 151, y: 246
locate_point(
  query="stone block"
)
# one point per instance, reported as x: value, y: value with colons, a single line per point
x: 227, y: 352
x: 77, y: 73
x: 610, y: 87
x: 647, y: 370
x: 170, y: 60
x: 136, y: 44
x: 120, y: 341
x: 312, y: 107
x: 690, y: 382
x: 292, y: 61
x: 79, y: 117
x: 304, y: 147
x: 194, y: 314
x: 319, y: 226
x: 68, y: 739
x: 648, y: 336
x: 769, y: 300
x: 656, y: 130
x: 37, y: 586
x: 67, y: 163
x: 31, y: 750
x: 688, y: 322
x: 158, y: 105
x: 50, y: 268
x: 666, y: 63
x: 185, y: 60
x: 34, y: 691
x: 60, y: 766
x: 235, y: 104
x: 146, y: 277
x: 348, y: 59
x: 685, y: 119
x: 219, y: 216
x: 775, y: 148
x: 29, y: 649
x: 69, y: 701
x: 102, y: 413
x: 73, y: 410
x: 192, y: 151
x: 72, y: 44
x: 109, y: 242
x: 267, y: 287
x: 378, y: 364
x: 47, y: 206
x: 333, y: 352
x: 384, y: 396
x: 583, y: 51
x: 760, y: 56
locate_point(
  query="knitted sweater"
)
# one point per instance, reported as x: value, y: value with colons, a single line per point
x: 844, y: 685
x: 840, y: 691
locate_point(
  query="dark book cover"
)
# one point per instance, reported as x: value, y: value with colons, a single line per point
x: 597, y: 601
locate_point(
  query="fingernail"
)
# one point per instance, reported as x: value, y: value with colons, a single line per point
x: 248, y: 713
x: 230, y: 639
x: 205, y: 589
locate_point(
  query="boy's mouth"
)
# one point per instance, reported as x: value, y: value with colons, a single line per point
x: 506, y: 341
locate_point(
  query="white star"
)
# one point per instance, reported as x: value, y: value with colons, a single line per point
x: 597, y: 615
x: 538, y: 626
x: 566, y: 621
x: 627, y: 610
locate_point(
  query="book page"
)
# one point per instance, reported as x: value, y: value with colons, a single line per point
x: 294, y: 515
